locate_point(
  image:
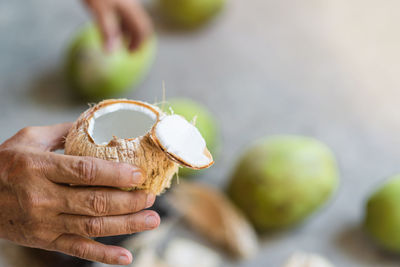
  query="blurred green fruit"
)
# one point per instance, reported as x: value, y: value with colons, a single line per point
x: 382, y: 219
x: 190, y: 13
x: 281, y: 180
x: 96, y: 74
x: 204, y: 121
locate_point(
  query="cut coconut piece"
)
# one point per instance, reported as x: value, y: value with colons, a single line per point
x: 303, y: 259
x: 182, y: 252
x: 127, y: 131
x: 182, y: 141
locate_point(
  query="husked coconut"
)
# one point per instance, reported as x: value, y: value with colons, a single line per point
x: 140, y: 134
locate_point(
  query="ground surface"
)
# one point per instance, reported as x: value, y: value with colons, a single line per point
x: 328, y: 69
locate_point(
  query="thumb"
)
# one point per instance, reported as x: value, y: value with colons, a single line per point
x: 53, y: 137
x: 47, y: 138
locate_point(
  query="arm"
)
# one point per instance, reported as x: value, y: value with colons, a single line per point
x: 39, y: 208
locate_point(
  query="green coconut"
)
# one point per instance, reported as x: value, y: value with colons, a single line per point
x: 203, y: 119
x: 382, y: 218
x: 190, y: 13
x: 97, y: 74
x: 281, y: 180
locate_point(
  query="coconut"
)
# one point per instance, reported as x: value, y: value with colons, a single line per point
x: 140, y: 134
x: 281, y: 180
x: 190, y: 13
x: 382, y: 215
x: 95, y: 74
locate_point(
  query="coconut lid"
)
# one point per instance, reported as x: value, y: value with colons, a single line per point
x: 182, y: 141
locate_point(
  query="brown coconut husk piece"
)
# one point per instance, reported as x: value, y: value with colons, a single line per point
x: 209, y: 212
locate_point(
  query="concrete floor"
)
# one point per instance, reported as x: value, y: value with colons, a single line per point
x: 328, y: 69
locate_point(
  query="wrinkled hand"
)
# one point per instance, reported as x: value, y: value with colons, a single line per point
x: 39, y: 209
x: 117, y: 17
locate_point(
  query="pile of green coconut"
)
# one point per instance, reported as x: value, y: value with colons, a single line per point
x: 277, y: 183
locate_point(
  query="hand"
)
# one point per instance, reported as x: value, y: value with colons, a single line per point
x: 39, y: 208
x: 121, y: 16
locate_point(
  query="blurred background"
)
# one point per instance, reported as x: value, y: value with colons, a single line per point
x: 325, y: 69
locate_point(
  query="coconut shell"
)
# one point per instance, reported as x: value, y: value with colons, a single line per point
x: 209, y: 212
x: 142, y: 151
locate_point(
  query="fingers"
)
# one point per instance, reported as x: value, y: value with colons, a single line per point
x: 121, y: 15
x: 135, y: 21
x: 108, y: 22
x: 91, y: 171
x: 111, y: 225
x: 47, y: 138
x: 103, y: 201
x: 91, y: 250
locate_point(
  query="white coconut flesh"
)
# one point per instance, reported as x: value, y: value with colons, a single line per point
x: 121, y: 120
x: 176, y: 136
x: 183, y: 141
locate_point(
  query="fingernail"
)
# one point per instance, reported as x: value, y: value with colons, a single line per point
x: 149, y: 200
x: 123, y: 260
x: 137, y: 177
x: 151, y: 221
